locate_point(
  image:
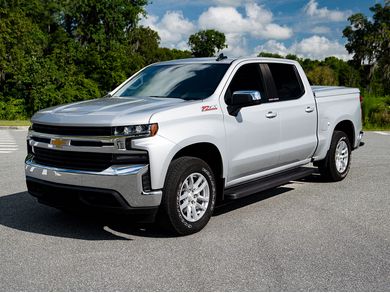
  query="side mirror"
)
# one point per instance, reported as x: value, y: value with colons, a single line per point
x: 242, y: 99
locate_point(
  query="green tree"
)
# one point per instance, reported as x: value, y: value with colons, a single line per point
x: 103, y: 29
x: 293, y: 57
x: 269, y: 55
x: 322, y: 75
x: 103, y: 21
x: 58, y: 51
x: 206, y: 43
x: 369, y: 41
x: 164, y: 54
x: 345, y: 73
x: 22, y: 43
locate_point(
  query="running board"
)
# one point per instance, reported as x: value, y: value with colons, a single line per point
x: 268, y: 182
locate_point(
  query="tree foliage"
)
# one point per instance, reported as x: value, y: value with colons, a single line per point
x: 59, y: 51
x: 369, y: 41
x: 323, y: 75
x: 269, y: 55
x: 206, y: 43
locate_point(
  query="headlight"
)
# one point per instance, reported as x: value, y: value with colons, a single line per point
x: 143, y: 130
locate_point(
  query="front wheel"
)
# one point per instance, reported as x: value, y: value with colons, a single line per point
x: 189, y: 195
x: 336, y: 165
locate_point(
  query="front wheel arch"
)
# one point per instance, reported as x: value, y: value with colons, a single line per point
x: 170, y: 213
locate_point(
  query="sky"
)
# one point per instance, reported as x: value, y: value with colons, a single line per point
x: 307, y: 28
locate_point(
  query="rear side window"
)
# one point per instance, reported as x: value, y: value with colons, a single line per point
x: 287, y: 81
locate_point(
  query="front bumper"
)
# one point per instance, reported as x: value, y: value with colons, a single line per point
x: 121, y: 181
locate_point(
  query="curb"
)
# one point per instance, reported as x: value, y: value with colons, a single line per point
x: 15, y: 127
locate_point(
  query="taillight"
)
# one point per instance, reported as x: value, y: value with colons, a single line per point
x: 361, y: 99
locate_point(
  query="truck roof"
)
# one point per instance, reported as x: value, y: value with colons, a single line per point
x: 224, y: 61
x: 199, y: 60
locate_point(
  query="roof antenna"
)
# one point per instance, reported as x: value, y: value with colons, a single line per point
x: 221, y: 57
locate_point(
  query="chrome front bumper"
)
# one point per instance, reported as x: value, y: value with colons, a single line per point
x: 126, y: 180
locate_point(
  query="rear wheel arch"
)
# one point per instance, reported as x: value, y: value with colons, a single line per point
x: 348, y: 128
x: 335, y: 166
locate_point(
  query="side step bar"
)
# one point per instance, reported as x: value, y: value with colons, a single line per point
x: 268, y: 182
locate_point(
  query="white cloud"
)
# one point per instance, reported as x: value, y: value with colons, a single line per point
x: 272, y: 46
x: 320, y: 30
x: 257, y: 22
x: 234, y: 3
x: 173, y: 29
x: 237, y: 45
x: 324, y: 13
x: 320, y: 47
x: 225, y: 19
x: 274, y: 31
x: 314, y: 47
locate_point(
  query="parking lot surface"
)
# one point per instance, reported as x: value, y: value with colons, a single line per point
x: 306, y: 235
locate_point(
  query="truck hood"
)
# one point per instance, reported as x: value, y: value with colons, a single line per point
x: 113, y: 111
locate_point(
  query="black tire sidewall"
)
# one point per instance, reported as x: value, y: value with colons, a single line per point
x: 182, y: 168
x: 334, y: 173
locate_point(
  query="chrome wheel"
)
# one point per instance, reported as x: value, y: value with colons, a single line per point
x: 341, y: 156
x: 194, y: 197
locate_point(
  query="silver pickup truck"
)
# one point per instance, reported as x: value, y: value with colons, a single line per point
x: 179, y: 136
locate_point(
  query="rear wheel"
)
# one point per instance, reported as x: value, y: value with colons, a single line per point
x: 189, y: 195
x: 336, y: 165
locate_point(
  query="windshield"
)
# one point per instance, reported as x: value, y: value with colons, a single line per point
x: 185, y: 81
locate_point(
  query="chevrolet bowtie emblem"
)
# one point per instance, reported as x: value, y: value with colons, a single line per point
x: 59, y: 142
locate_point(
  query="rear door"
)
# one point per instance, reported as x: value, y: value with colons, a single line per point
x: 296, y: 111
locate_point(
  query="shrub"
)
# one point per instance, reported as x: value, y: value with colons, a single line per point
x: 376, y: 111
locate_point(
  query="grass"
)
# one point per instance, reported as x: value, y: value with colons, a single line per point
x: 376, y: 128
x: 15, y: 123
x: 376, y: 112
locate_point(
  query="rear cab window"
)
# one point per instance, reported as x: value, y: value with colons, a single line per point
x: 288, y: 83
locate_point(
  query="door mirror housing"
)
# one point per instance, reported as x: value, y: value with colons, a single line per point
x: 242, y: 99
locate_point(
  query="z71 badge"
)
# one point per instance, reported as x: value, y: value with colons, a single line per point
x: 209, y: 108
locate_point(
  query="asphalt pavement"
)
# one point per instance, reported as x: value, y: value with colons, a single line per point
x: 306, y: 235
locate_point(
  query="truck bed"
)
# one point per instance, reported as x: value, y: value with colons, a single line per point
x: 335, y: 104
x: 328, y: 91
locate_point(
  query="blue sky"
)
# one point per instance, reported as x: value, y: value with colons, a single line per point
x: 308, y: 28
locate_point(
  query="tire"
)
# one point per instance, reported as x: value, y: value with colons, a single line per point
x: 337, y: 162
x: 184, y: 211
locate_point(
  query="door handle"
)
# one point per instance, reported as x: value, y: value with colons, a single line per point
x: 271, y: 115
x: 309, y: 109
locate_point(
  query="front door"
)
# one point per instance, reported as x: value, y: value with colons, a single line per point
x: 252, y: 138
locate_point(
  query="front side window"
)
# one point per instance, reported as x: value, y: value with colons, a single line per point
x: 185, y: 81
x: 287, y: 81
x: 247, y: 78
